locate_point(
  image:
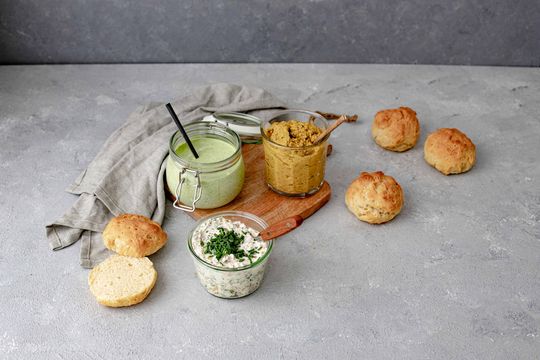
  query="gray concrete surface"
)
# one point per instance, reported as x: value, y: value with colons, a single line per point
x: 455, y: 276
x: 462, y: 32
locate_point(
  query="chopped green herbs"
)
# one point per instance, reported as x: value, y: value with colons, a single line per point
x: 251, y: 253
x: 228, y: 242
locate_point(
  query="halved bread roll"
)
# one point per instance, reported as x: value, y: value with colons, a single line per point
x: 134, y: 235
x: 122, y: 280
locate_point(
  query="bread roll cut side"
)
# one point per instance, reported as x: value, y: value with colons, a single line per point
x: 122, y: 281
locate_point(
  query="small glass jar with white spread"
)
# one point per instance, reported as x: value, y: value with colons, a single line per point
x: 212, y: 180
x: 229, y: 276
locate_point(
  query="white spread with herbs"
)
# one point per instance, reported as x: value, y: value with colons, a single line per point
x: 226, y: 243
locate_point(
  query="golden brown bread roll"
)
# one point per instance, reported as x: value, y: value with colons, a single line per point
x: 374, y: 197
x: 396, y: 129
x: 450, y: 151
x: 134, y: 235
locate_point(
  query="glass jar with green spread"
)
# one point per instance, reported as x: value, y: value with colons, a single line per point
x: 212, y: 180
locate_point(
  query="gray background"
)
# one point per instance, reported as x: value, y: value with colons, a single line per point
x: 479, y: 32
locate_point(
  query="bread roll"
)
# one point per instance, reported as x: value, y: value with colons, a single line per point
x: 374, y: 197
x: 450, y: 151
x: 396, y: 129
x: 134, y: 235
x: 122, y: 280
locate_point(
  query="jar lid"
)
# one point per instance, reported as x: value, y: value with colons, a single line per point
x: 246, y: 126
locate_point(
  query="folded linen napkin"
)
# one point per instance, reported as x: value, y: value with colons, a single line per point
x: 127, y: 174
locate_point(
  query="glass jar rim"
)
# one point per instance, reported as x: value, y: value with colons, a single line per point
x: 283, y: 112
x: 244, y: 214
x: 211, y: 166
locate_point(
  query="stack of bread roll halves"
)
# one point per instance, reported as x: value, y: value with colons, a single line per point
x: 127, y: 277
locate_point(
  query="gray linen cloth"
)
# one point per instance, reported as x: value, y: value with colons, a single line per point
x: 127, y: 174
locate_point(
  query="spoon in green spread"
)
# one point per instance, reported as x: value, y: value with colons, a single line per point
x: 181, y: 128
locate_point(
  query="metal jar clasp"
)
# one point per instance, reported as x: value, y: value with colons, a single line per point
x: 178, y: 192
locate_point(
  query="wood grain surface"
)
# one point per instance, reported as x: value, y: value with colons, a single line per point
x: 258, y: 199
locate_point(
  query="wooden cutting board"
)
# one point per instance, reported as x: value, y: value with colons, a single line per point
x: 258, y: 199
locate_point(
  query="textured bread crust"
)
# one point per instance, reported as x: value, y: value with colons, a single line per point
x: 450, y: 151
x: 396, y: 129
x: 122, y: 280
x: 134, y: 235
x: 374, y: 197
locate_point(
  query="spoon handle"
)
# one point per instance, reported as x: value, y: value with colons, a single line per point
x: 182, y: 130
x: 331, y: 128
x: 281, y: 227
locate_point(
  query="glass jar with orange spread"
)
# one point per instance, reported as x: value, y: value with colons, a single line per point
x: 294, y: 157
